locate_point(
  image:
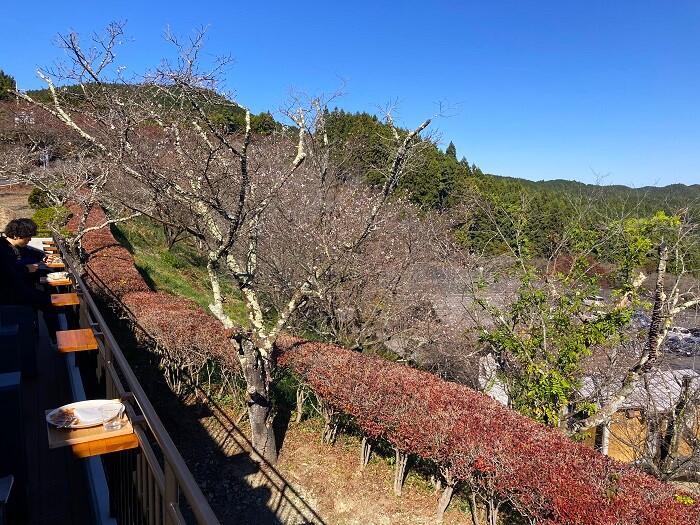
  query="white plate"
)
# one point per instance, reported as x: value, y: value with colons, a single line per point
x: 88, y: 412
x: 57, y: 276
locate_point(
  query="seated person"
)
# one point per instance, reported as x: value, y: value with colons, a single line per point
x: 16, y: 287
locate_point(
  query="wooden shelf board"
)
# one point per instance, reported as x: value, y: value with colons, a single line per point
x: 64, y: 299
x: 93, y: 441
x: 76, y: 340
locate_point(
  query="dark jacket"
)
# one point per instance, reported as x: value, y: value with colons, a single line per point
x: 15, y: 288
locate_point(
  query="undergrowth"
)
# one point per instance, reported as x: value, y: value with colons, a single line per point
x: 180, y: 271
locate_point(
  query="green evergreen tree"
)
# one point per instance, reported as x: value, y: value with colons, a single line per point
x: 451, y: 151
x: 7, y: 86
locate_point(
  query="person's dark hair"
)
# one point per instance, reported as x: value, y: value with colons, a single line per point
x: 19, y: 228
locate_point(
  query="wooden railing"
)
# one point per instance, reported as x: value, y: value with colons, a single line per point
x: 150, y: 484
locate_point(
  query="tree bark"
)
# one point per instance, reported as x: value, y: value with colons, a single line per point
x: 446, y: 495
x: 330, y: 427
x: 669, y: 444
x: 493, y: 507
x: 602, y: 438
x: 365, y: 452
x: 444, y: 502
x: 399, y: 471
x: 259, y: 406
x: 302, y: 394
x: 473, y: 509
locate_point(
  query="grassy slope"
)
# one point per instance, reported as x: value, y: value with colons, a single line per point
x: 180, y: 271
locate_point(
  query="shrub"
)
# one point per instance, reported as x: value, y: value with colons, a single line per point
x: 540, y: 471
x: 47, y: 219
x: 38, y: 199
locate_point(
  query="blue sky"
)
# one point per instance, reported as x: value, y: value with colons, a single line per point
x: 540, y: 90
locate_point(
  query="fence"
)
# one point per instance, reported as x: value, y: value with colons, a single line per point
x: 150, y: 484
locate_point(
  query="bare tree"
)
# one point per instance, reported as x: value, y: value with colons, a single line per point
x: 545, y: 324
x: 177, y: 165
x: 668, y: 302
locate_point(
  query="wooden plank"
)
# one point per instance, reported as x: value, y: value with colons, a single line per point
x: 64, y: 299
x: 56, y: 265
x: 59, y: 282
x: 105, y: 446
x: 76, y: 340
x: 49, y: 241
x: 52, y: 475
x: 56, y: 282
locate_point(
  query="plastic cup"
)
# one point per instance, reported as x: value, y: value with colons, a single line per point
x: 112, y: 416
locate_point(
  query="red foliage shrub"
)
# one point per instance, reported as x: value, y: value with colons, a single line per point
x: 108, y: 259
x: 541, y: 471
x: 181, y: 327
x: 189, y: 335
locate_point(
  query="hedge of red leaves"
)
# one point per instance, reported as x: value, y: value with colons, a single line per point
x: 189, y: 334
x: 542, y: 472
x: 539, y: 470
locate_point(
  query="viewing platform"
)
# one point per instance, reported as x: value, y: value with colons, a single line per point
x: 50, y: 474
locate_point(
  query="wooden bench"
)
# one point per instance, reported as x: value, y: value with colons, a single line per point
x: 76, y: 340
x: 65, y: 299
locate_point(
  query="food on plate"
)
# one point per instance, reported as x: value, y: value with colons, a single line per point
x: 57, y: 276
x: 63, y: 417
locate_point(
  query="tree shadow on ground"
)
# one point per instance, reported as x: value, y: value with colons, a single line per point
x: 240, y: 489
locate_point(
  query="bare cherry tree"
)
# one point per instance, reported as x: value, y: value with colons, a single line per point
x: 78, y: 183
x: 178, y: 165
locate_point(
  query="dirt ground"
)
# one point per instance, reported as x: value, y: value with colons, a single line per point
x: 312, y: 483
x: 13, y: 203
x: 346, y: 495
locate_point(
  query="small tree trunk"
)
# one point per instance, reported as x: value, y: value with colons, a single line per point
x: 669, y: 443
x: 399, y: 471
x: 473, y: 509
x: 446, y: 495
x: 330, y: 427
x: 493, y: 511
x: 365, y: 452
x: 259, y: 406
x: 602, y: 438
x: 302, y: 394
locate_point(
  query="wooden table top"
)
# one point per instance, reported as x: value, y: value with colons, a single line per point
x: 76, y: 340
x: 64, y: 299
x: 59, y: 282
x: 56, y: 265
x: 56, y: 282
x: 93, y: 441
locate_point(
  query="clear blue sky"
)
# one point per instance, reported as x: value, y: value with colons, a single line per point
x: 540, y: 90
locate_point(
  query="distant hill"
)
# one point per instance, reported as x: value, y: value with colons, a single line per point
x: 440, y: 181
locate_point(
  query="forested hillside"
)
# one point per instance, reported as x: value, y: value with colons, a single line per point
x: 487, y: 207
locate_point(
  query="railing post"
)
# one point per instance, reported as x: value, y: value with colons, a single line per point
x: 170, y: 497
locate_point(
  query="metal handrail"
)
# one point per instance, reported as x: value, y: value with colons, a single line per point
x: 176, y: 475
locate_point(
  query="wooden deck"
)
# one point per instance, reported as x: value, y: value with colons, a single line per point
x: 57, y: 491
